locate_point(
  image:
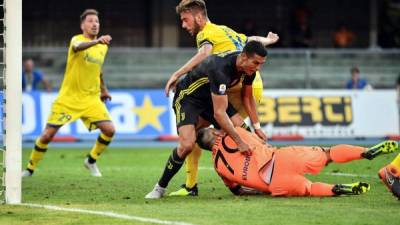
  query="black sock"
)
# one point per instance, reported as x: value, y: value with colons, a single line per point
x: 173, y: 165
x: 90, y: 159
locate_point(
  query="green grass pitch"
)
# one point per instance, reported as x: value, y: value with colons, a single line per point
x: 128, y: 174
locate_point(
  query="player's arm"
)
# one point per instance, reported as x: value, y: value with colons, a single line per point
x: 204, y: 51
x: 270, y: 39
x: 82, y: 45
x: 250, y: 105
x: 220, y: 104
x: 104, y: 94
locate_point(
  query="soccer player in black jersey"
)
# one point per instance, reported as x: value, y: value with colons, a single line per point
x: 201, y: 96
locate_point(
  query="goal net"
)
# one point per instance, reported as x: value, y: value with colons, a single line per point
x: 10, y: 99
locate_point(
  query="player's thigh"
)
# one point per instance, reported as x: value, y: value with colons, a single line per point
x: 62, y: 114
x: 187, y: 113
x: 290, y: 185
x: 311, y: 159
x: 95, y: 113
x: 208, y: 115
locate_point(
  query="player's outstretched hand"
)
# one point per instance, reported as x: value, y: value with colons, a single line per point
x: 105, y: 96
x: 104, y: 39
x: 272, y: 38
x: 260, y: 133
x: 171, y: 84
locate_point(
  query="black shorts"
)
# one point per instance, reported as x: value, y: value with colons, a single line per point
x: 188, y: 110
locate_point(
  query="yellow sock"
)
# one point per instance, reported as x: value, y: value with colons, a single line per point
x: 192, y: 166
x: 101, y: 144
x: 396, y: 162
x: 37, y: 154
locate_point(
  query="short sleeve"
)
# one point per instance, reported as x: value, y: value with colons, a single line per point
x: 203, y: 38
x: 218, y: 83
x: 248, y: 80
x: 75, y: 40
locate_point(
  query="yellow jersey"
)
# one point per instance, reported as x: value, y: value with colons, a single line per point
x: 222, y: 38
x: 81, y: 84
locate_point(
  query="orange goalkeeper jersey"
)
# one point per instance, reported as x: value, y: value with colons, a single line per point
x: 237, y: 168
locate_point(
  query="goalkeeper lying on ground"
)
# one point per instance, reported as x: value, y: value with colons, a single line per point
x: 280, y: 171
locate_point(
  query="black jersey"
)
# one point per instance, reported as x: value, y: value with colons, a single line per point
x: 215, y: 74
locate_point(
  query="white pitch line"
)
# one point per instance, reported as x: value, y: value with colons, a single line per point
x: 105, y: 213
x: 351, y: 175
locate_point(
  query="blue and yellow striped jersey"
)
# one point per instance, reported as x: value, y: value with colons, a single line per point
x: 221, y: 37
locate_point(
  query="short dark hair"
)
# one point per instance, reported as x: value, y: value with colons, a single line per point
x: 204, y: 138
x: 354, y: 70
x: 192, y: 6
x: 88, y: 12
x: 255, y: 47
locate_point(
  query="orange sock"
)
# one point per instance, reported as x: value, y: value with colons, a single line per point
x: 321, y: 189
x: 346, y: 153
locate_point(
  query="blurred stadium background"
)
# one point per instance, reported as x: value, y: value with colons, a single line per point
x: 149, y: 45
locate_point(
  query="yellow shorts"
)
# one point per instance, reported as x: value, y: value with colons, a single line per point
x: 95, y: 111
x: 235, y: 96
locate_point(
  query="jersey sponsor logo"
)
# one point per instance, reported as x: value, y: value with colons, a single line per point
x: 222, y: 89
x: 306, y: 111
x: 92, y: 59
x: 246, y: 165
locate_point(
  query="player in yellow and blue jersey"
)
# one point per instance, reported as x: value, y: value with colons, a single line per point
x: 82, y: 94
x: 213, y: 39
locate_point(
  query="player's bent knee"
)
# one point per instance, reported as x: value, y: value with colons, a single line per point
x: 109, y: 132
x: 186, y: 147
x: 46, y: 137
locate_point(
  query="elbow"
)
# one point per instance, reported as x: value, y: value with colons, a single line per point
x: 218, y: 115
x: 203, y: 55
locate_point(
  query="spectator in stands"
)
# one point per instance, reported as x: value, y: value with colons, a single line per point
x: 343, y: 37
x: 301, y: 30
x: 32, y: 78
x: 356, y: 82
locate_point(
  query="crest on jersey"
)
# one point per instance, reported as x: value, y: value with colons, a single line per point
x: 222, y: 89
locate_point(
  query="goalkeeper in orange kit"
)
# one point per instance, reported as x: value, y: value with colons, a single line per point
x: 280, y: 171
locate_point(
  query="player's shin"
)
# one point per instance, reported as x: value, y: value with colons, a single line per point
x: 345, y: 153
x: 173, y: 165
x: 99, y: 147
x: 321, y: 189
x: 192, y: 167
x: 37, y: 154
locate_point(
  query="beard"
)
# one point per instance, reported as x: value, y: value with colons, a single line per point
x: 196, y: 28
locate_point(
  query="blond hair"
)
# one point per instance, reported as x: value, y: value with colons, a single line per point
x: 88, y: 12
x: 193, y: 6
